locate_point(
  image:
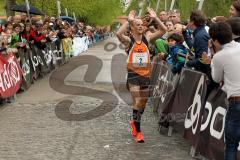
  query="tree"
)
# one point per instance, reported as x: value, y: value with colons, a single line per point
x: 99, y: 12
x: 9, y: 4
x: 211, y: 7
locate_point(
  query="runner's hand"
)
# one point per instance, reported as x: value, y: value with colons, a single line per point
x: 152, y: 13
x: 132, y: 15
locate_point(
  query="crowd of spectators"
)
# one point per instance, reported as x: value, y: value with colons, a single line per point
x: 210, y: 46
x: 31, y: 39
x: 20, y: 31
x: 192, y: 36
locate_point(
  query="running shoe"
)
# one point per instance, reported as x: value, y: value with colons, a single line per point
x: 139, y: 138
x: 134, y: 130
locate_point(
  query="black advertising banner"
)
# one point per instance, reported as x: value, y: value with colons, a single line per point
x: 154, y: 74
x: 211, y: 144
x: 55, y: 54
x: 37, y: 60
x: 25, y: 66
x: 188, y: 103
x: 163, y: 87
x: 203, y: 121
x: 28, y: 65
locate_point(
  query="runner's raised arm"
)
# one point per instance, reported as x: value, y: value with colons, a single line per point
x: 120, y: 33
x: 162, y: 29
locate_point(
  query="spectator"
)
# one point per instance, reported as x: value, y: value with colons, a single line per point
x: 23, y: 17
x: 199, y: 43
x: 169, y: 25
x: 22, y: 27
x: 17, y: 19
x: 225, y: 69
x: 170, y: 29
x: 235, y: 9
x: 163, y: 16
x: 7, y: 31
x: 235, y: 25
x: 15, y: 38
x: 26, y: 32
x: 201, y: 37
x: 177, y: 52
x: 175, y: 16
x: 37, y: 36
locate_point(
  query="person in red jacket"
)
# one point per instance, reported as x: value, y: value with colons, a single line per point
x: 26, y: 32
x: 37, y: 36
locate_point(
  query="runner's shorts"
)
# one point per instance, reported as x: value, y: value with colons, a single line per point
x: 136, y: 79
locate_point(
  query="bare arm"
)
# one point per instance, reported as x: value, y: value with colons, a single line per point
x: 161, y: 27
x: 120, y: 34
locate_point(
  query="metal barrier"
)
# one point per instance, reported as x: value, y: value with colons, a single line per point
x: 20, y: 70
x: 186, y: 107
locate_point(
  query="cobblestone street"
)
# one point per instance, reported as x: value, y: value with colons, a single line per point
x: 32, y: 130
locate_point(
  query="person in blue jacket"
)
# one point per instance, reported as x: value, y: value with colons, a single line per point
x: 197, y: 41
x: 177, y: 52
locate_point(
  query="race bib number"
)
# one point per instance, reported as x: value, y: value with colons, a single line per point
x: 140, y: 59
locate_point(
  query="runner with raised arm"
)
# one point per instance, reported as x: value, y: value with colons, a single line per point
x: 139, y: 64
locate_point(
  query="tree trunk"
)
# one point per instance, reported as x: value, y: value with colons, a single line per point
x: 9, y: 4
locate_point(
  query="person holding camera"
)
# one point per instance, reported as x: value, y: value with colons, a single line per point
x: 199, y: 44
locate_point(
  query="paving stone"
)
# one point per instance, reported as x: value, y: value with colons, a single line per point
x: 32, y: 131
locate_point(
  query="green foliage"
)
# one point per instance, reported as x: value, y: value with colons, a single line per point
x: 2, y: 8
x: 102, y: 12
x: 133, y: 6
x: 211, y: 7
x: 98, y: 12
